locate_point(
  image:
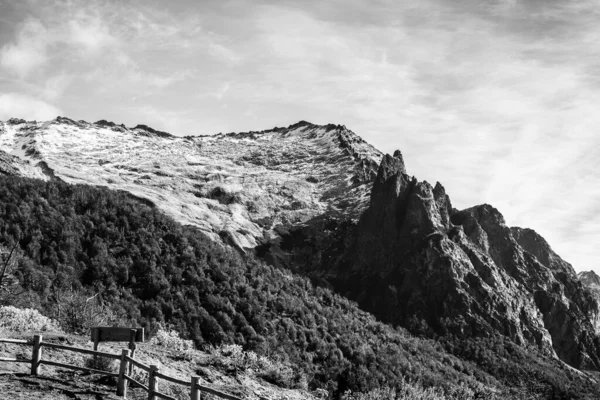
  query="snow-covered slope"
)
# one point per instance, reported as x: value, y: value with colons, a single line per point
x: 236, y: 186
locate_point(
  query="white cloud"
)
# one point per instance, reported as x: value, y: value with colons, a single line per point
x: 89, y: 33
x: 28, y: 52
x: 55, y: 86
x: 223, y: 53
x: 16, y: 105
x: 219, y: 93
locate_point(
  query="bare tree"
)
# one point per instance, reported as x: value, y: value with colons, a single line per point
x: 9, y: 285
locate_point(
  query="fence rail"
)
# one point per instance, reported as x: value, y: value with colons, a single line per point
x: 78, y: 368
x: 21, y: 360
x: 124, y: 375
x: 80, y: 350
x: 138, y: 383
x: 15, y: 341
x: 173, y: 380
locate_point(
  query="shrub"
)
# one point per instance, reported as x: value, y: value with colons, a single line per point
x: 101, y: 363
x: 171, y: 339
x: 232, y: 356
x: 25, y: 319
x: 280, y: 375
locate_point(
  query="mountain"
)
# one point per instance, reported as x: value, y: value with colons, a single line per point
x: 322, y: 202
x: 415, y: 257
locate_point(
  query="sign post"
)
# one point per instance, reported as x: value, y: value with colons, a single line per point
x: 117, y: 334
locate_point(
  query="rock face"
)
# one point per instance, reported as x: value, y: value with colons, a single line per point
x: 322, y: 201
x: 416, y: 258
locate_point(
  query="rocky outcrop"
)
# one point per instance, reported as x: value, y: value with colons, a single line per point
x: 414, y: 258
x: 591, y: 281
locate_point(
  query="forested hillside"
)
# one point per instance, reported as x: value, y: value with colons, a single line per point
x: 87, y: 253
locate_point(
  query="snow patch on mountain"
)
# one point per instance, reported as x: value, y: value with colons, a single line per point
x: 237, y: 187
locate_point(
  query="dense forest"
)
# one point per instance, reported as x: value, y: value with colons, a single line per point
x: 83, y: 255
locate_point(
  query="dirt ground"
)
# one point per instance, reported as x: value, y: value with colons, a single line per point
x: 24, y: 386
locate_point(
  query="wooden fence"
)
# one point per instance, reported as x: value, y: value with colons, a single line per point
x: 124, y: 375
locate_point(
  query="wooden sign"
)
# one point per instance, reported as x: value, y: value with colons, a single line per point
x: 117, y: 334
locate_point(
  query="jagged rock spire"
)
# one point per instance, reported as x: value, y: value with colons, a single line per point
x: 390, y: 166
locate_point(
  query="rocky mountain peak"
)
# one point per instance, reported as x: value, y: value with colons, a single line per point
x: 390, y: 166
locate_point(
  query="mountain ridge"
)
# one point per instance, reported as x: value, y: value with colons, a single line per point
x: 229, y: 185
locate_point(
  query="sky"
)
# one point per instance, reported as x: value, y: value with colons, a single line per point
x: 496, y: 99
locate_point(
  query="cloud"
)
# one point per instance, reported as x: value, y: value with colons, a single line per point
x: 223, y: 53
x: 219, y: 93
x: 55, y: 86
x: 16, y: 105
x: 28, y: 52
x: 89, y: 32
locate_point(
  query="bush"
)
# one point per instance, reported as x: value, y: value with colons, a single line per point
x: 101, y: 364
x: 280, y: 375
x: 171, y: 339
x: 232, y: 356
x: 25, y: 319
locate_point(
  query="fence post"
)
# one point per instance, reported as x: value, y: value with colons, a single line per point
x: 122, y: 384
x: 132, y: 347
x: 36, y: 355
x: 96, y: 338
x: 195, y: 393
x: 152, y: 382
